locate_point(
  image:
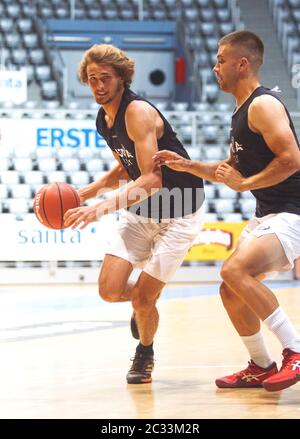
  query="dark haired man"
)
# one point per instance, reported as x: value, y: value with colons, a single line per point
x: 265, y: 159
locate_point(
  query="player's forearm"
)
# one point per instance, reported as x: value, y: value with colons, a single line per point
x: 111, y: 180
x: 135, y: 192
x: 277, y: 171
x: 202, y: 169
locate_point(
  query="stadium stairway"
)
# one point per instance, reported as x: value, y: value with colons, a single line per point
x: 257, y: 18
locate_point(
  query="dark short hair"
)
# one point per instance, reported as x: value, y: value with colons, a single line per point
x: 250, y: 45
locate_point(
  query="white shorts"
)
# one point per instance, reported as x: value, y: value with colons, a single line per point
x: 286, y: 226
x: 157, y: 248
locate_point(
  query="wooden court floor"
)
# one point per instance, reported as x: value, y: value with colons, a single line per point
x: 65, y: 354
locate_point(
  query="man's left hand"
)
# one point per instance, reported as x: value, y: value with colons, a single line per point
x: 230, y: 176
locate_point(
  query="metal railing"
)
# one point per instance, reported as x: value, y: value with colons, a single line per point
x: 236, y: 14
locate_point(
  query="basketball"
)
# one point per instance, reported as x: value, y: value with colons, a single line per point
x: 52, y: 201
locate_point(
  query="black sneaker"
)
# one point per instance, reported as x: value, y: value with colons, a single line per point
x: 141, y: 369
x: 134, y: 328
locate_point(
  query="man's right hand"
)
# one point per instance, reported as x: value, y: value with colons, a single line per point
x: 172, y: 160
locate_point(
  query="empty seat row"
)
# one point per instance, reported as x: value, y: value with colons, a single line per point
x: 35, y: 179
x: 16, y: 191
x: 16, y: 40
x: 206, y: 112
x: 218, y: 208
x: 244, y: 206
x: 50, y: 164
x: 20, y: 56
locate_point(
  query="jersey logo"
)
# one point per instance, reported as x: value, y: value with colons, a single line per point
x: 276, y: 89
x: 238, y: 146
x: 235, y: 148
x: 125, y: 155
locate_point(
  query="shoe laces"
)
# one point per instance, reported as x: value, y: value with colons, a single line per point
x: 249, y: 369
x: 288, y: 359
x: 142, y: 362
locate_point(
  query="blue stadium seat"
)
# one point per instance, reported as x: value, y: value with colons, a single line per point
x: 226, y: 192
x: 24, y: 25
x: 224, y: 206
x: 4, y: 164
x: 21, y: 191
x: 233, y: 217
x: 3, y: 191
x: 52, y: 176
x: 10, y: 177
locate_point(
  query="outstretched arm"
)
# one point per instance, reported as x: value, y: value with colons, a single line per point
x: 177, y: 163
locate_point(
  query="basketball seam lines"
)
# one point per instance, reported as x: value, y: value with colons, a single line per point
x: 61, y: 207
x: 77, y: 199
x: 44, y: 210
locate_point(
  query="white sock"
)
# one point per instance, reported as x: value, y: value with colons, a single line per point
x: 257, y: 349
x: 279, y: 323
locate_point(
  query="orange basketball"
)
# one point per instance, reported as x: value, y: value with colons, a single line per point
x: 51, y: 203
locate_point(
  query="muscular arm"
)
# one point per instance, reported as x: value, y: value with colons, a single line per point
x: 113, y: 179
x: 205, y: 170
x: 268, y: 118
x: 140, y: 121
x: 195, y: 167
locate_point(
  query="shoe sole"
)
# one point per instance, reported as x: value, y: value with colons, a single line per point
x: 135, y: 381
x: 222, y: 385
x: 275, y: 387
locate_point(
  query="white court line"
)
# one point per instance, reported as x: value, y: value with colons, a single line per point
x: 201, y: 367
x: 117, y: 370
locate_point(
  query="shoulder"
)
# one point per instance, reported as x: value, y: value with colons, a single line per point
x: 140, y: 115
x: 140, y: 109
x: 140, y: 119
x: 265, y: 103
x: 265, y: 113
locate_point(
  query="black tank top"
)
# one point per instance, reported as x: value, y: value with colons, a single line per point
x: 252, y: 155
x: 187, y: 193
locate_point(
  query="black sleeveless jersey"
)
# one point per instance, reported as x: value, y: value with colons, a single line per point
x: 251, y: 155
x: 181, y: 194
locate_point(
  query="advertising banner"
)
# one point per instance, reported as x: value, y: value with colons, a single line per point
x: 13, y: 86
x: 29, y: 240
x: 50, y: 132
x: 215, y: 242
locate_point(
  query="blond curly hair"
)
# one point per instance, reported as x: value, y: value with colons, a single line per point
x: 107, y: 54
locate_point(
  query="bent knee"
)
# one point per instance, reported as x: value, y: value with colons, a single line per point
x: 107, y: 293
x: 108, y: 297
x: 142, y: 303
x: 231, y: 272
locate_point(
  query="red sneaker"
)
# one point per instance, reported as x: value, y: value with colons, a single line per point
x: 252, y: 376
x: 288, y: 375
